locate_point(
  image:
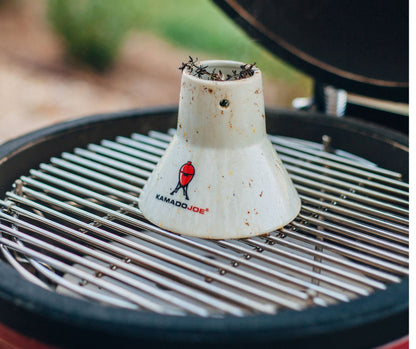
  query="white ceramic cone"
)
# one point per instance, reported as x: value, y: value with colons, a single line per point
x: 220, y: 177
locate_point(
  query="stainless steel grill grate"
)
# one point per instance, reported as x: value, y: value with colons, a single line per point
x: 73, y: 226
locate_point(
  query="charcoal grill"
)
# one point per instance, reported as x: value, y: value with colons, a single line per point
x: 346, y: 253
x: 81, y: 267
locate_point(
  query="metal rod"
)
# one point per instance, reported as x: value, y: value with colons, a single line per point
x: 98, y: 176
x: 355, y: 244
x: 290, y: 143
x: 151, y: 140
x: 123, y: 157
x: 294, y: 268
x: 356, y: 214
x: 404, y: 239
x: 79, y: 190
x: 122, y: 166
x: 343, y: 176
x: 356, y: 235
x: 326, y: 267
x: 213, y: 276
x: 353, y: 188
x: 185, y: 278
x: 96, y: 166
x: 122, y: 292
x: 347, y: 194
x: 356, y: 255
x: 84, y: 292
x: 184, y: 252
x: 132, y: 152
x: 22, y: 271
x: 363, y: 269
x: 88, y: 183
x: 354, y: 205
x: 341, y: 167
x: 127, y: 254
x: 154, y: 292
x: 142, y: 146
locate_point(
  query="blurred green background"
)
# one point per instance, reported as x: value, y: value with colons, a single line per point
x: 63, y: 59
x: 93, y: 31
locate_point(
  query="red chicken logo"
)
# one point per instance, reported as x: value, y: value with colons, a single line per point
x: 186, y: 173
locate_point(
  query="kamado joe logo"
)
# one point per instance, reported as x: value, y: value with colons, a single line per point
x: 186, y: 173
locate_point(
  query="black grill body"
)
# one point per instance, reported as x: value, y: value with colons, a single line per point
x: 68, y: 322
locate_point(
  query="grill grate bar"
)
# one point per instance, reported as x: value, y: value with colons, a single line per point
x: 341, y: 273
x: 73, y: 287
x: 29, y: 182
x: 335, y: 282
x: 350, y: 238
x: 202, y: 297
x: 83, y: 291
x: 244, y: 262
x: 98, y: 268
x: 368, y: 249
x: 134, y: 269
x: 363, y: 247
x: 156, y: 135
x: 55, y: 263
x: 347, y: 194
x: 362, y: 269
x: 356, y: 214
x: 349, y: 253
x: 139, y: 258
x: 344, y: 176
x: 157, y: 139
x: 151, y: 148
x: 356, y: 225
x: 353, y: 188
x: 162, y: 256
x: 100, y: 168
x: 118, y: 165
x: 98, y: 176
x: 356, y: 235
x: 82, y: 180
x: 293, y: 143
x: 120, y: 156
x: 220, y: 266
x: 350, y: 204
x: 357, y: 173
x: 136, y: 153
x: 24, y: 272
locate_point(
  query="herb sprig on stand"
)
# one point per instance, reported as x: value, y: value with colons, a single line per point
x: 246, y: 70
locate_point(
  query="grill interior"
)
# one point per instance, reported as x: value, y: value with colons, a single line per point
x: 73, y: 226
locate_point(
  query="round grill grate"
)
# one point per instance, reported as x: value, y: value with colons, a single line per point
x: 73, y: 226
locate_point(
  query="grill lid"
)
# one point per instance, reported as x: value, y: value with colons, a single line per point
x: 360, y: 46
